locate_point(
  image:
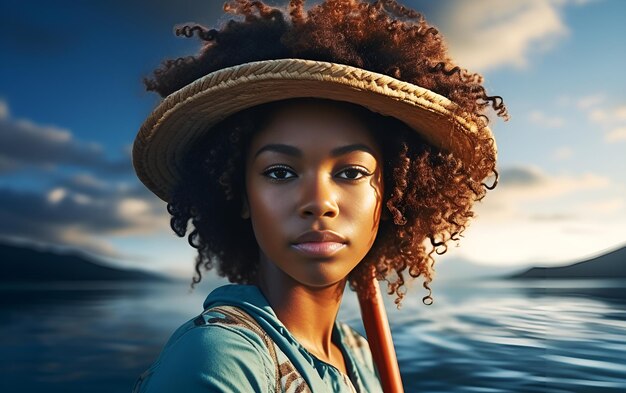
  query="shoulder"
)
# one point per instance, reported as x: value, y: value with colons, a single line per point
x: 212, y: 352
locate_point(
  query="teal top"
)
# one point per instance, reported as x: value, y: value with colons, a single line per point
x: 222, y: 351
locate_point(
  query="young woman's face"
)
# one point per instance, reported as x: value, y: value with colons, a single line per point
x: 314, y: 192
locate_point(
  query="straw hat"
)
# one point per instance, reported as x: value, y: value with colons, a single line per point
x: 187, y: 114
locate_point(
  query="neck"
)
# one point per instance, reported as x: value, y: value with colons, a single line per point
x: 308, y: 313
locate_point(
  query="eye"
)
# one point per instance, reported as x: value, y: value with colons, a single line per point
x: 279, y: 173
x: 353, y: 173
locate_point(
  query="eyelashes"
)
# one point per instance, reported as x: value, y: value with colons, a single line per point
x: 284, y: 173
x: 355, y: 170
x: 279, y: 172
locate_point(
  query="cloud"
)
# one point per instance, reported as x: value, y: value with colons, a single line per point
x: 620, y: 112
x: 616, y: 135
x: 536, y: 217
x: 541, y: 119
x: 24, y: 143
x: 543, y: 186
x: 605, y: 113
x: 80, y: 211
x: 535, y: 242
x: 612, y: 120
x: 591, y: 101
x: 520, y: 176
x: 523, y: 192
x: 598, y: 115
x: 493, y: 33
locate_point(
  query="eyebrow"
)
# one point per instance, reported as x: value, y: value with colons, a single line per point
x: 350, y: 148
x: 280, y: 148
x: 295, y: 152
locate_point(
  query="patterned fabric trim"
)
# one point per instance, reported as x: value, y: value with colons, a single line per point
x: 288, y: 379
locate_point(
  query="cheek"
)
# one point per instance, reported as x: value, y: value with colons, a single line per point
x: 364, y: 212
x: 267, y: 208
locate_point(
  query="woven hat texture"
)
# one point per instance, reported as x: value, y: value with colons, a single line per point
x: 187, y: 114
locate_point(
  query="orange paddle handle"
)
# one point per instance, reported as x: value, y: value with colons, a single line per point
x: 380, y: 341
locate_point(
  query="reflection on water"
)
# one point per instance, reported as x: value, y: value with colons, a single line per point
x: 85, y: 337
x: 506, y: 336
x: 496, y: 336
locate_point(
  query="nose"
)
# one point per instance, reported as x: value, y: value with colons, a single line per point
x: 318, y: 198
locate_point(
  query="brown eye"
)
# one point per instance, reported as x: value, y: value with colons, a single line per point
x: 279, y: 173
x: 353, y: 173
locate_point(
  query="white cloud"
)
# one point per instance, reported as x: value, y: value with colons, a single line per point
x: 612, y: 115
x: 520, y: 223
x: 523, y: 184
x: 616, y: 135
x: 620, y: 112
x: 81, y: 212
x: 50, y: 134
x: 612, y: 120
x: 495, y: 33
x: 601, y: 112
x: 132, y: 206
x: 591, y: 101
x: 536, y: 217
x: 541, y: 119
x: 86, y: 241
x: 87, y: 180
x: 598, y: 115
x: 56, y: 195
x: 523, y: 242
x: 82, y: 199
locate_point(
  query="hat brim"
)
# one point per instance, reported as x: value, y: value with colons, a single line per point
x: 187, y: 114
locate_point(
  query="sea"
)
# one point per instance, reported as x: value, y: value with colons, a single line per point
x: 479, y: 335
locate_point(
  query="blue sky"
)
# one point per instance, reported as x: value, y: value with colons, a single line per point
x: 71, y: 101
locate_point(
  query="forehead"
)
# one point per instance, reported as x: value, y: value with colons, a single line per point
x: 313, y: 123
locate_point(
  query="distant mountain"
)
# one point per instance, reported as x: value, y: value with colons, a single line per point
x: 610, y: 265
x: 25, y: 264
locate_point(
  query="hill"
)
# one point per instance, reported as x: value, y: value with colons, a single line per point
x: 26, y: 264
x: 610, y: 265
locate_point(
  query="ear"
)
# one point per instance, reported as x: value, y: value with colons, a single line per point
x: 245, y: 208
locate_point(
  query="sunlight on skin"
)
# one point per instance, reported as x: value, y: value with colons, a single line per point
x: 314, y: 167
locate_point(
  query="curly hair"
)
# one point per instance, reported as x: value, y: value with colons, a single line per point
x: 429, y: 193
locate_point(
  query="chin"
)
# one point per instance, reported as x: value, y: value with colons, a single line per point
x: 319, y: 278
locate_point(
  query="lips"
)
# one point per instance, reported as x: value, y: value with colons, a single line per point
x: 319, y: 243
x: 320, y: 236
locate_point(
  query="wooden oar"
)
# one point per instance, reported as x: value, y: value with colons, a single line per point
x: 379, y: 338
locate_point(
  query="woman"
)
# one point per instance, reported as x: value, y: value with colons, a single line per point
x: 308, y: 149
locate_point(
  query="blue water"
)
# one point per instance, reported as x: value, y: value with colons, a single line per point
x: 490, y: 336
